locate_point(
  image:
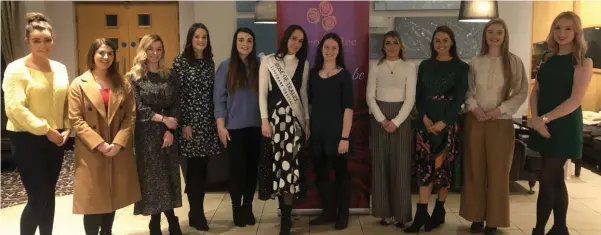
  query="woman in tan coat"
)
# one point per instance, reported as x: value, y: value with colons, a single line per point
x: 102, y: 111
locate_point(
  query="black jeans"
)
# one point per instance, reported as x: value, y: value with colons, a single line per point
x: 196, y: 181
x: 323, y: 163
x: 39, y: 163
x: 243, y: 149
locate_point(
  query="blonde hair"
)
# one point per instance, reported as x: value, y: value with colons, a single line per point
x: 396, y: 36
x: 579, y: 44
x: 505, y: 55
x: 139, y: 68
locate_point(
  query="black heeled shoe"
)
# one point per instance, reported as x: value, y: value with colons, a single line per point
x: 490, y: 230
x: 399, y: 225
x: 438, y: 215
x: 555, y: 230
x: 343, y: 205
x: 198, y: 222
x: 286, y: 220
x: 249, y: 217
x: 155, y: 227
x: 174, y: 228
x: 238, y: 216
x: 477, y: 227
x: 421, y: 219
x: 536, y: 231
x: 328, y: 213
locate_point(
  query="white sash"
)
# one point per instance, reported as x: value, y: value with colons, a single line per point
x: 287, y: 87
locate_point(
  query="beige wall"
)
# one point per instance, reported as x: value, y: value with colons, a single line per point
x: 220, y: 18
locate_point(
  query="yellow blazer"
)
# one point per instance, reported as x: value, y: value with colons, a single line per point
x: 102, y: 184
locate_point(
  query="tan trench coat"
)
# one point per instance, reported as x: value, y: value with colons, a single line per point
x: 102, y: 184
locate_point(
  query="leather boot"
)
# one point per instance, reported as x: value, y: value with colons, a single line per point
x: 196, y: 216
x: 438, y: 216
x: 344, y: 197
x: 155, y: 227
x: 286, y: 220
x: 422, y: 218
x: 248, y: 216
x: 238, y: 216
x: 556, y: 230
x: 328, y: 214
x: 174, y: 228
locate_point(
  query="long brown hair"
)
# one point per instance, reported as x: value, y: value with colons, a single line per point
x: 239, y: 75
x: 395, y: 35
x: 505, y: 54
x: 579, y: 44
x: 116, y: 79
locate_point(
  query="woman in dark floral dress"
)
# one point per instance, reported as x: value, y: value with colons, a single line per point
x: 198, y: 141
x: 440, y: 94
x: 157, y: 112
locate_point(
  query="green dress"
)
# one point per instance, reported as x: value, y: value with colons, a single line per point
x: 440, y: 94
x: 555, y: 79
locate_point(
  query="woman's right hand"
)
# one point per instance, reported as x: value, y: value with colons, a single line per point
x: 480, y: 114
x: 266, y: 128
x: 428, y: 123
x: 54, y: 136
x: 187, y: 132
x: 170, y: 122
x: 104, y: 148
x: 224, y: 135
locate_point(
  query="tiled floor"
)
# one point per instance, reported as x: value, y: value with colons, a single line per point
x: 584, y: 216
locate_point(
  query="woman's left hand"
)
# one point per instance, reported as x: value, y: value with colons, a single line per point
x: 114, y: 149
x: 167, y: 139
x: 494, y: 113
x: 438, y: 126
x: 65, y: 135
x: 343, y: 147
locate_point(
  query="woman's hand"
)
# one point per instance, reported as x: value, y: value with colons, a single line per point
x: 65, y: 135
x: 494, y: 113
x: 428, y: 123
x: 170, y: 122
x: 113, y: 150
x: 343, y: 147
x: 55, y: 137
x: 167, y: 139
x: 480, y: 114
x: 103, y: 148
x: 224, y: 135
x: 307, y: 129
x: 266, y: 128
x: 539, y: 125
x: 187, y: 132
x: 391, y: 127
x: 438, y: 126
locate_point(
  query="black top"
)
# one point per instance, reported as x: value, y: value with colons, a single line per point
x: 329, y: 97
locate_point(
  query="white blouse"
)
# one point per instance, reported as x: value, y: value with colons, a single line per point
x: 486, y: 81
x: 391, y: 81
x: 290, y: 64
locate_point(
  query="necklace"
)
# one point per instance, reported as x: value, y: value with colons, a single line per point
x: 393, y: 67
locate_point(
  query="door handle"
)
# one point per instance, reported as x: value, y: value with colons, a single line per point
x: 123, y: 61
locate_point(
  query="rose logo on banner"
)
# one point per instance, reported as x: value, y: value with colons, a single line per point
x: 325, y: 10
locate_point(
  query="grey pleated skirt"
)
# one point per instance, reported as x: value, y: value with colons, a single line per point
x: 391, y: 166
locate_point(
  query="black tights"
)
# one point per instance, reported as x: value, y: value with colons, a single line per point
x: 170, y: 214
x: 553, y: 194
x: 94, y: 222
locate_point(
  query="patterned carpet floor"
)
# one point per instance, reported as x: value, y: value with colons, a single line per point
x: 13, y: 192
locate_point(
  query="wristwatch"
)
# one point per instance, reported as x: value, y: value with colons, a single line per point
x: 344, y: 138
x: 545, y: 119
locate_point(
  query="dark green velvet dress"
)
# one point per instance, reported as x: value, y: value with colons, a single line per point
x: 555, y: 79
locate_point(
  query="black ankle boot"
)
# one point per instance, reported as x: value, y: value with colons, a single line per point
x: 199, y: 222
x: 490, y: 230
x: 328, y: 214
x: 238, y: 216
x: 477, y: 227
x: 422, y: 218
x: 438, y: 215
x: 174, y: 228
x: 155, y: 227
x: 344, y: 197
x: 536, y: 231
x: 286, y: 220
x: 247, y: 211
x: 558, y: 230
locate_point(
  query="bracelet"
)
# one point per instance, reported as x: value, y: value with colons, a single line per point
x: 344, y: 138
x: 162, y: 118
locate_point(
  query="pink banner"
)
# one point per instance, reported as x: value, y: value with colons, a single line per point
x: 350, y: 20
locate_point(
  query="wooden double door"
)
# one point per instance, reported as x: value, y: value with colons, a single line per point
x: 126, y: 23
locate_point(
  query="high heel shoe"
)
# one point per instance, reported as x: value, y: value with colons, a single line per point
x: 556, y: 230
x: 155, y: 227
x: 477, y: 227
x: 422, y: 218
x: 438, y: 215
x: 174, y: 228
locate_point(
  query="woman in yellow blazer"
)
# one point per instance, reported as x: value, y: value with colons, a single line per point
x: 102, y: 112
x: 35, y: 90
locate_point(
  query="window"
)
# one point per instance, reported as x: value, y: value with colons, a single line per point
x: 111, y: 21
x: 143, y: 20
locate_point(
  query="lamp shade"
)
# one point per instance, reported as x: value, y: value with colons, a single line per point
x: 478, y: 10
x: 265, y: 12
